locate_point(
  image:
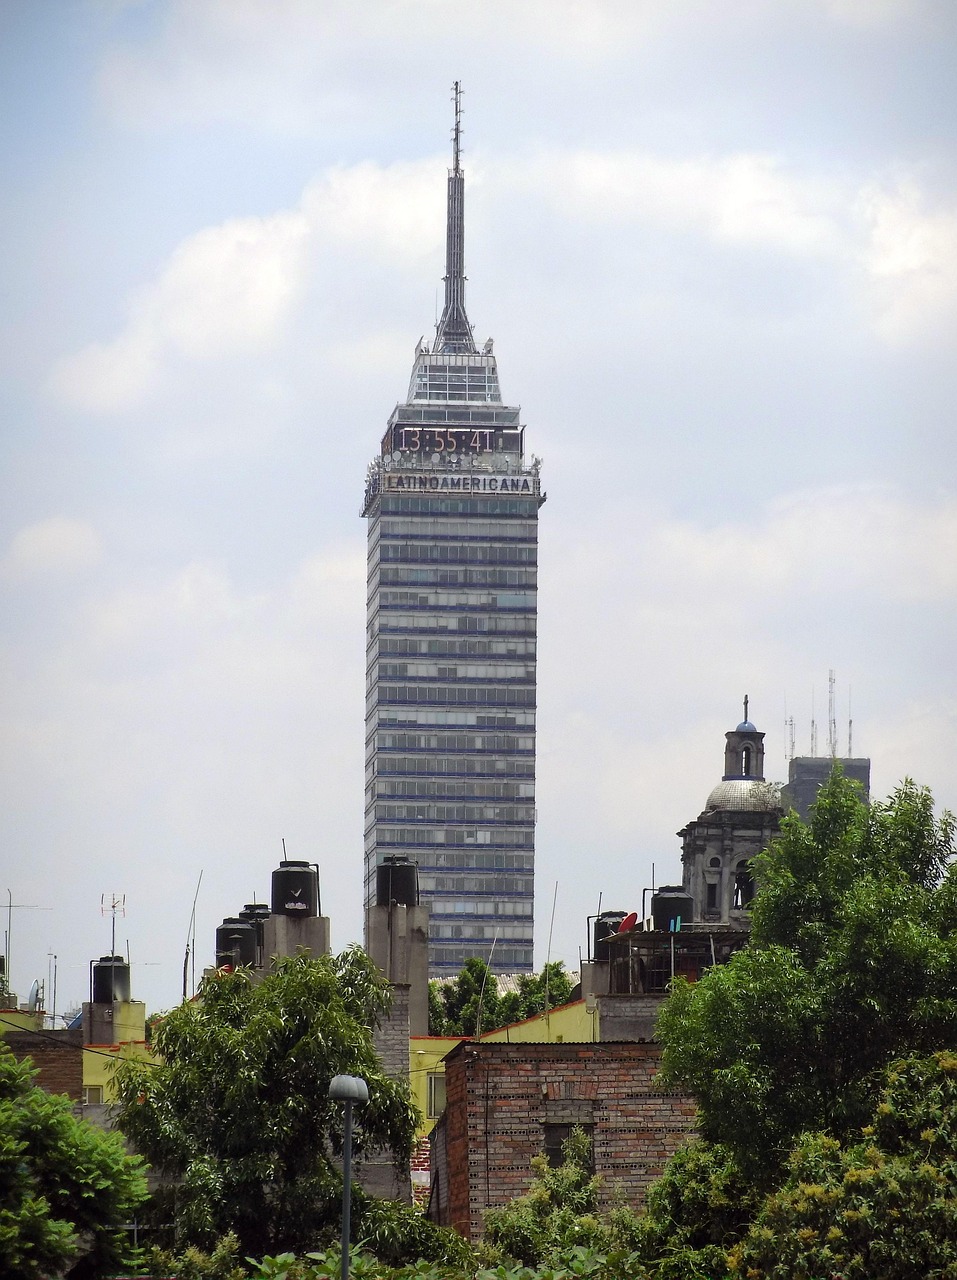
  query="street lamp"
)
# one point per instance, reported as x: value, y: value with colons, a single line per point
x: 347, y: 1089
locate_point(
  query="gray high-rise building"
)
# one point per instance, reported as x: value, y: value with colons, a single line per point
x: 452, y: 506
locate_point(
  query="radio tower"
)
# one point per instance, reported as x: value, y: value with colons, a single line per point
x: 831, y: 717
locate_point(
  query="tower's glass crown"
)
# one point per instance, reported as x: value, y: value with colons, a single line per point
x: 452, y: 507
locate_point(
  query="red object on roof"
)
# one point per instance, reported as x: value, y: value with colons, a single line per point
x: 629, y: 922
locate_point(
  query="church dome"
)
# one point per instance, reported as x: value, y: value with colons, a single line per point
x: 744, y: 795
x: 746, y: 727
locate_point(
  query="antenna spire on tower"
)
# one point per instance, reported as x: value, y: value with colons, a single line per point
x: 457, y: 126
x: 453, y: 332
x: 745, y: 706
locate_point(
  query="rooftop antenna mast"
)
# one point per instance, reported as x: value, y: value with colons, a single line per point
x: 850, y: 727
x: 453, y: 332
x: 831, y: 717
x: 115, y: 906
x: 813, y: 726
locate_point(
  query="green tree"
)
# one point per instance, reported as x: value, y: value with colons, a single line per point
x: 237, y: 1115
x: 852, y: 962
x: 454, y: 1006
x: 66, y: 1188
x: 886, y: 1205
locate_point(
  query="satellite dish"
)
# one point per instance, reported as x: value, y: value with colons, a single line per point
x: 397, y: 456
x: 34, y: 997
x: 388, y: 464
x: 629, y: 922
x: 436, y: 457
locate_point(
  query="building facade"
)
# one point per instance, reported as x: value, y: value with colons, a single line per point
x: 452, y: 507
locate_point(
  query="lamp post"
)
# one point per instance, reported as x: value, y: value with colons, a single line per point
x: 347, y: 1090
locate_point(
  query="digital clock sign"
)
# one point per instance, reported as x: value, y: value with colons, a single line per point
x: 452, y: 440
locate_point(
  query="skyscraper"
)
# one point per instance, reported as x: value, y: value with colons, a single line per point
x: 452, y: 506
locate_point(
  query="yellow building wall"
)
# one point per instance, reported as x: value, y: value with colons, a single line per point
x: 21, y: 1020
x: 569, y: 1024
x: 129, y: 1030
x: 425, y: 1059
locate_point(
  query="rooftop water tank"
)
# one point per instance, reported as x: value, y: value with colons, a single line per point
x: 397, y: 880
x: 295, y: 889
x: 235, y: 942
x: 604, y: 927
x: 669, y: 904
x: 111, y: 980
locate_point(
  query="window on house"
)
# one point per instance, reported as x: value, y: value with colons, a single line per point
x: 92, y: 1095
x: 435, y: 1103
x: 554, y: 1137
x: 712, y: 900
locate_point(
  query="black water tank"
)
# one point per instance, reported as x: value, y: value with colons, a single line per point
x: 669, y: 904
x: 111, y: 980
x: 235, y: 942
x: 605, y: 925
x: 397, y: 880
x: 256, y: 914
x: 295, y: 889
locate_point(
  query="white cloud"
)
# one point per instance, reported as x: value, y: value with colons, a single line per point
x: 56, y: 545
x: 910, y: 256
x: 230, y: 290
x: 834, y: 541
x: 741, y: 197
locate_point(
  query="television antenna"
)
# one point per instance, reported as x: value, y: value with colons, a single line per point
x: 115, y: 906
x: 11, y: 907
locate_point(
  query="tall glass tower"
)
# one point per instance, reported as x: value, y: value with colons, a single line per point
x: 452, y: 507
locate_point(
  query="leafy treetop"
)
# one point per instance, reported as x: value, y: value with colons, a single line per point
x: 454, y: 1006
x: 237, y: 1111
x: 852, y: 962
x: 66, y: 1188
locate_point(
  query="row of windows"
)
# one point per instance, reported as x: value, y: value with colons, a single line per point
x: 432, y: 530
x: 461, y: 671
x: 394, y: 504
x: 458, y: 648
x: 454, y: 813
x: 475, y: 696
x: 509, y: 932
x: 408, y: 575
x: 481, y: 885
x: 502, y: 838
x: 457, y: 553
x: 449, y: 957
x: 461, y: 860
x: 456, y: 600
x: 475, y: 906
x: 457, y: 790
x: 420, y: 717
x: 502, y: 624
x: 456, y: 766
x: 457, y: 741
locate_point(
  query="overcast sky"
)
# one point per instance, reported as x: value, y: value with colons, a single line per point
x: 716, y: 245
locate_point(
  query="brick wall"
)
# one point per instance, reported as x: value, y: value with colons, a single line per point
x: 57, y: 1055
x: 499, y: 1097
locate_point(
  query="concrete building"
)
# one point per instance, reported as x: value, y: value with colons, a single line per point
x: 807, y: 774
x: 452, y: 508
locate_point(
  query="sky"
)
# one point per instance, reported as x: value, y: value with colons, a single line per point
x: 716, y: 245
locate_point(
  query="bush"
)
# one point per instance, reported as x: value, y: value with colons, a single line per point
x: 884, y: 1207
x: 558, y: 1213
x: 700, y: 1206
